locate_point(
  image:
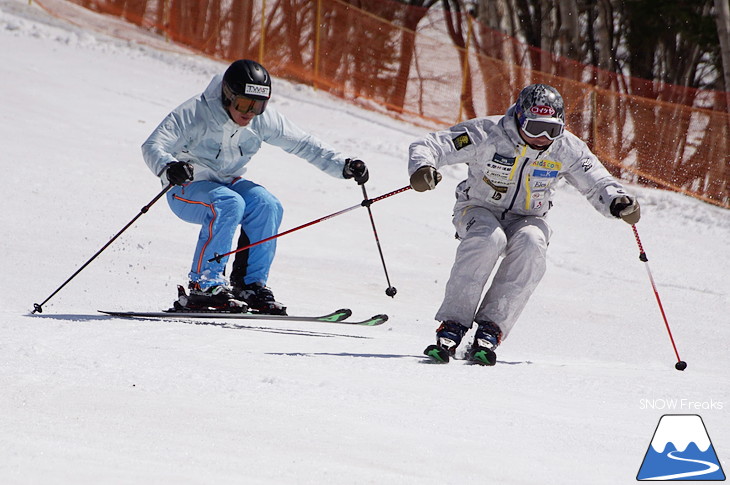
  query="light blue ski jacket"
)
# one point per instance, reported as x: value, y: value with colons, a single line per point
x: 200, y: 131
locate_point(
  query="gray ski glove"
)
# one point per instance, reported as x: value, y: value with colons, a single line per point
x: 626, y: 208
x: 425, y: 178
x: 179, y: 173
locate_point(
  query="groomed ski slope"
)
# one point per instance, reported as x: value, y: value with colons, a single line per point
x: 88, y: 398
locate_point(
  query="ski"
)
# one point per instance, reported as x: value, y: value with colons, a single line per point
x: 478, y: 355
x: 482, y: 356
x: 338, y: 316
x: 437, y: 354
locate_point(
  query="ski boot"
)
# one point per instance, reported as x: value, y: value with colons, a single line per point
x: 215, y: 298
x: 486, y: 339
x: 448, y: 337
x: 260, y: 299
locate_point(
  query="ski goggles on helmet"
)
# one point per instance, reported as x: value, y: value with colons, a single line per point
x: 244, y: 104
x: 535, y: 128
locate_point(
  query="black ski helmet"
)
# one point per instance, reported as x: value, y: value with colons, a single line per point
x: 246, y: 78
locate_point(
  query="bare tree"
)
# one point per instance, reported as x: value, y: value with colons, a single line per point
x: 407, y: 48
x: 722, y: 18
x: 455, y: 16
x: 570, y: 36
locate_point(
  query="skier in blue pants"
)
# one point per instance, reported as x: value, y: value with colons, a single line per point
x: 202, y: 148
x: 220, y: 209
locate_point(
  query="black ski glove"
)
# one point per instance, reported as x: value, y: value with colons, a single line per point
x: 179, y: 173
x: 425, y: 178
x: 356, y: 169
x: 626, y: 208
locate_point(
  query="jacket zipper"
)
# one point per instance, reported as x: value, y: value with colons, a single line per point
x: 518, y: 186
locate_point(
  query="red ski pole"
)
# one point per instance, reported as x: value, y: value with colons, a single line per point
x: 365, y: 203
x: 680, y: 365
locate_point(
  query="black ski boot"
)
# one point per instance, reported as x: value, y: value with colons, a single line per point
x: 448, y: 337
x: 486, y: 339
x: 211, y: 299
x: 260, y: 299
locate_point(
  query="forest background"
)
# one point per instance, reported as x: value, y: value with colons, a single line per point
x: 645, y: 81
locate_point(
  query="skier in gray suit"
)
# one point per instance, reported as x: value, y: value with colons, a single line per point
x: 515, y: 162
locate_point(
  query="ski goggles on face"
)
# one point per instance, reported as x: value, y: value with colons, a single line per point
x: 552, y: 130
x: 244, y: 105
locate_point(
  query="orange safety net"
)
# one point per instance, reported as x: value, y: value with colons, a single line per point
x: 410, y: 68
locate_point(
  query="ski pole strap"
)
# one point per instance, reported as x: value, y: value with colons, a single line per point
x: 365, y: 203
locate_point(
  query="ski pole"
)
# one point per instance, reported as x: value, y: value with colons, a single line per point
x: 365, y: 203
x: 38, y: 307
x: 680, y: 365
x: 390, y: 290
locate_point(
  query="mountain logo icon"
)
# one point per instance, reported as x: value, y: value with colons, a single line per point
x: 681, y: 450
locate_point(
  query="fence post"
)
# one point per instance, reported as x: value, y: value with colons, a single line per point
x: 166, y: 9
x: 317, y: 28
x: 263, y: 32
x: 594, y: 117
x: 465, y: 70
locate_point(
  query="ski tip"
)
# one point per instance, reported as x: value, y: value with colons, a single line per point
x: 436, y: 354
x: 483, y: 356
x: 336, y: 316
x: 374, y: 320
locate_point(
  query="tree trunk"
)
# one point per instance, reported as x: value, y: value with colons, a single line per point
x: 569, y: 29
x: 405, y: 56
x: 453, y: 16
x: 722, y: 18
x: 604, y: 31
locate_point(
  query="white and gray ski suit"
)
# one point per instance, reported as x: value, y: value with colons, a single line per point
x: 501, y: 211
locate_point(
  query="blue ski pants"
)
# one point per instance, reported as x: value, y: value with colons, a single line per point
x: 219, y: 209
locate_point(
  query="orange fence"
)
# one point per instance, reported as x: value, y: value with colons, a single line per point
x: 411, y: 68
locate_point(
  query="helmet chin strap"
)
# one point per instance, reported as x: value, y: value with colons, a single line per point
x: 226, y: 103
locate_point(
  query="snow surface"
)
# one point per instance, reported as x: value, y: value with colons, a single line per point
x: 575, y: 398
